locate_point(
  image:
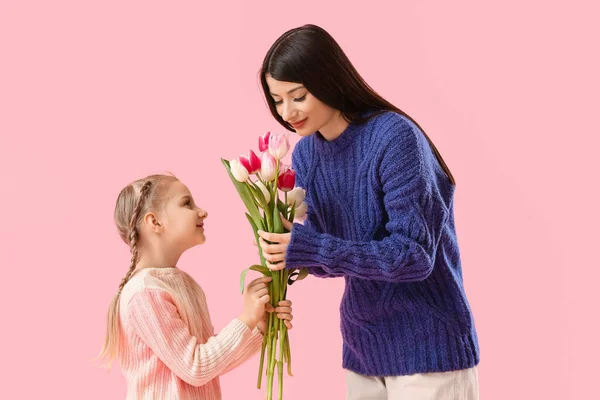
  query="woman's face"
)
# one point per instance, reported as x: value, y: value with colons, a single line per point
x: 297, y: 106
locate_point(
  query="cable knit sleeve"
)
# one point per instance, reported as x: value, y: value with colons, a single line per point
x: 301, y: 168
x: 415, y: 217
x: 153, y: 316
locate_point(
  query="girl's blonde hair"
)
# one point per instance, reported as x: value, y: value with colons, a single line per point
x: 134, y: 201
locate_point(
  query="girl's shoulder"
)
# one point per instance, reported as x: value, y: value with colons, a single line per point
x: 150, y: 279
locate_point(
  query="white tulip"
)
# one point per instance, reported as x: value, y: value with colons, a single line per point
x: 296, y: 196
x: 301, y: 211
x: 264, y: 191
x: 239, y: 172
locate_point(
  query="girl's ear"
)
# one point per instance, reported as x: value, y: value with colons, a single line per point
x: 152, y: 222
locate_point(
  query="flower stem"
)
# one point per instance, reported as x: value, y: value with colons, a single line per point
x: 288, y: 354
x: 280, y: 363
x: 272, y: 364
x: 262, y: 357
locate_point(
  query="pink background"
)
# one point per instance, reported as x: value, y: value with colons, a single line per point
x: 96, y: 94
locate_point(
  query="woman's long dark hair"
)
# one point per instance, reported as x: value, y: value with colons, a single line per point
x: 309, y: 55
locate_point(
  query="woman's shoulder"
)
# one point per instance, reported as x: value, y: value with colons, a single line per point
x: 391, y: 123
x: 303, y: 145
x: 302, y: 154
x: 391, y: 129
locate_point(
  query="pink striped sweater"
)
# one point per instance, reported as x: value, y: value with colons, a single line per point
x: 169, y: 349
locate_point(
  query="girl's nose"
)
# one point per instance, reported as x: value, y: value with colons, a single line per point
x: 203, y: 213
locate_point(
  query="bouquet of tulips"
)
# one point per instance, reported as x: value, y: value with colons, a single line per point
x: 265, y: 210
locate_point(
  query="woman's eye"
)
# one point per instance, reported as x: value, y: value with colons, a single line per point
x: 278, y: 102
x: 299, y: 99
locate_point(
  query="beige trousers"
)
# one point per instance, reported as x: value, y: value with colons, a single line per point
x: 455, y: 385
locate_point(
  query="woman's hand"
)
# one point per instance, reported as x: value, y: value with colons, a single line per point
x: 275, y: 252
x: 284, y: 312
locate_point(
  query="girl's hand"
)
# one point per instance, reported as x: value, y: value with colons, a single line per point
x: 284, y: 312
x: 256, y: 296
x: 274, y: 253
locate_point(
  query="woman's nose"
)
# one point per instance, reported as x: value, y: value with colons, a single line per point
x: 203, y: 213
x: 288, y: 111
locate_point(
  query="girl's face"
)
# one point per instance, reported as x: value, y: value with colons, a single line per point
x: 302, y: 110
x: 182, y: 220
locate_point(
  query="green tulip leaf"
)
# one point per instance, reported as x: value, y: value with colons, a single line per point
x: 244, y: 192
x: 256, y: 237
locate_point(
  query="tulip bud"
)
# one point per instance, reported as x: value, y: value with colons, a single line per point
x: 286, y: 179
x: 301, y: 210
x: 264, y: 191
x: 263, y: 142
x: 296, y: 196
x: 268, y: 166
x: 239, y: 172
x: 279, y: 145
x: 251, y: 162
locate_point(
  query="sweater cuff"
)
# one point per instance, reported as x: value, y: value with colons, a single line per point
x: 256, y: 339
x: 303, y: 249
x: 237, y: 327
x: 252, y: 339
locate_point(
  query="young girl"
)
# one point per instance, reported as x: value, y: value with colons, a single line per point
x: 381, y: 215
x: 158, y: 323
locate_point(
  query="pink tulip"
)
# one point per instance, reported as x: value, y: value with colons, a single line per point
x: 287, y: 179
x: 263, y: 142
x: 279, y: 145
x: 268, y: 166
x: 251, y: 162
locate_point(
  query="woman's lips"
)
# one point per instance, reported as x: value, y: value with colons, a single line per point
x: 298, y: 124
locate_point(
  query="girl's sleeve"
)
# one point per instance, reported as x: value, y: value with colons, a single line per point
x: 416, y: 216
x: 252, y: 347
x: 153, y: 316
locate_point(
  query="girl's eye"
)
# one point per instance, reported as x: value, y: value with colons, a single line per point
x: 278, y: 102
x: 187, y: 203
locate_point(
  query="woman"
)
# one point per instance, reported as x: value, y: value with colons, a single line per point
x: 380, y: 200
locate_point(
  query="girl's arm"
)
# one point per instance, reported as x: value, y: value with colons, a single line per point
x: 252, y: 347
x: 416, y: 212
x: 154, y: 318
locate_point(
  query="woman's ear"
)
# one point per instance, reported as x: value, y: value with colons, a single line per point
x: 152, y: 222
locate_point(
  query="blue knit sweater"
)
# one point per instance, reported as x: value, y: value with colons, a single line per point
x: 380, y: 214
